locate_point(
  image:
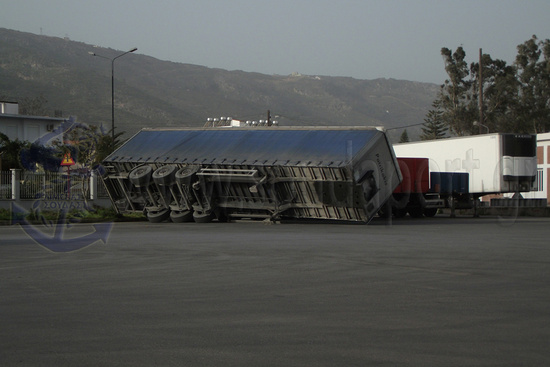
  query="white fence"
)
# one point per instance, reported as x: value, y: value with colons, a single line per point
x: 25, y: 185
x: 5, y: 185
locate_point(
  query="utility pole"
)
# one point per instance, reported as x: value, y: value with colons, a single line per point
x: 480, y: 91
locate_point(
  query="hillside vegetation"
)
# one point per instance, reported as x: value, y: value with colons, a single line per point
x: 155, y: 93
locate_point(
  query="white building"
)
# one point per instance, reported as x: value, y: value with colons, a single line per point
x: 543, y: 169
x: 26, y: 128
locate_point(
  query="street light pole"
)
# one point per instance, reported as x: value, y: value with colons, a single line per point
x: 113, y: 89
x: 477, y: 123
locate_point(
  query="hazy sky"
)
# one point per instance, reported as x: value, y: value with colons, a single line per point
x: 364, y: 39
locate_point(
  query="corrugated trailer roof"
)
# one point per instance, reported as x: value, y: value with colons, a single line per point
x: 246, y: 146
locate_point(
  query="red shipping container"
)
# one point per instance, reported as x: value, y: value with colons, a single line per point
x: 416, y: 175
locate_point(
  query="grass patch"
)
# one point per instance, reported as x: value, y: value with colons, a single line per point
x: 96, y: 215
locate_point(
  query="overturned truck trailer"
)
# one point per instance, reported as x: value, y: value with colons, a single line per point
x: 269, y: 173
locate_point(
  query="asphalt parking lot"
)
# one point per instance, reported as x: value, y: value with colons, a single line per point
x: 431, y: 292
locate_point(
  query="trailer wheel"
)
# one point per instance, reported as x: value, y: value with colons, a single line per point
x: 203, y: 217
x: 399, y: 212
x: 185, y: 175
x: 383, y: 213
x: 165, y: 175
x: 181, y: 216
x: 385, y: 210
x: 222, y: 217
x: 158, y: 216
x: 140, y: 176
x: 416, y: 212
x: 430, y: 212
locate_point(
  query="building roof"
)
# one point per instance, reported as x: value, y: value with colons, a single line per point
x: 28, y: 117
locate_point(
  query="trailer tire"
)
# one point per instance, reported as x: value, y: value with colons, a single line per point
x: 185, y: 175
x: 399, y: 212
x: 158, y: 216
x: 203, y: 217
x: 430, y: 212
x: 140, y: 176
x: 222, y: 217
x: 181, y: 216
x: 165, y: 175
x: 384, y: 213
x: 416, y: 212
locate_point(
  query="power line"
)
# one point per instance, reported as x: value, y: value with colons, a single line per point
x: 404, y: 127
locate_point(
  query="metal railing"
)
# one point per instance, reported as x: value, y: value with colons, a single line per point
x: 5, y: 185
x: 36, y: 185
x: 101, y: 190
x: 49, y: 185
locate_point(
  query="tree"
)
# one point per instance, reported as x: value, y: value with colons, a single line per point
x: 404, y: 137
x: 10, y: 151
x: 434, y: 127
x: 499, y: 93
x: 37, y: 156
x: 516, y: 98
x: 89, y: 145
x: 105, y: 146
x: 533, y: 75
x: 455, y: 95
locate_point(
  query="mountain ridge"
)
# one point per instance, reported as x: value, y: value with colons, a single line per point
x: 154, y: 93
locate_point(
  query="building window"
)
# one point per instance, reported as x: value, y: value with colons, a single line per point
x: 540, y: 179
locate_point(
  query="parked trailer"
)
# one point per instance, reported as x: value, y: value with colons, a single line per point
x: 413, y: 194
x: 268, y: 173
x: 423, y: 193
x: 463, y: 169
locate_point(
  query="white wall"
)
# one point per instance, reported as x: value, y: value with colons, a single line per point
x: 543, y: 166
x: 27, y: 128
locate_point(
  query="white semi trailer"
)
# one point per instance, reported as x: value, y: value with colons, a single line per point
x: 495, y: 163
